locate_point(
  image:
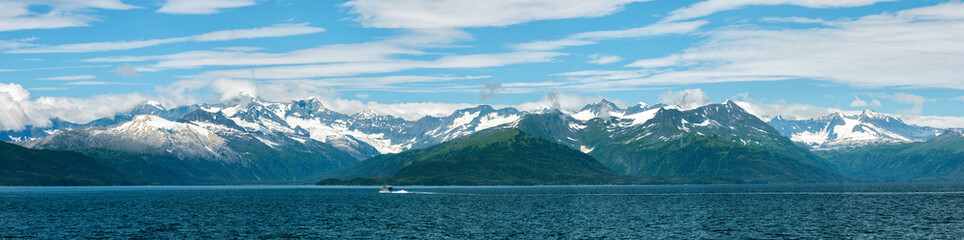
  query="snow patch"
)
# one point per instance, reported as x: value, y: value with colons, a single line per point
x: 494, y: 119
x: 642, y: 117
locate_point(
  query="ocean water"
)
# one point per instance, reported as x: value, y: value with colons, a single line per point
x: 880, y: 211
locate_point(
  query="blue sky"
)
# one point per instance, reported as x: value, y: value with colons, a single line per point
x: 80, y: 60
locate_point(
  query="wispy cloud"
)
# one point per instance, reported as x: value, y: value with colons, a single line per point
x: 54, y: 68
x: 410, y: 43
x: 70, y: 78
x: 277, y: 30
x: 362, y: 52
x: 18, y: 15
x: 604, y: 59
x: 857, y: 102
x: 415, y: 14
x: 589, y: 38
x: 906, y: 98
x: 358, y: 68
x: 708, y: 7
x: 90, y: 83
x: 48, y: 88
x: 201, y: 6
x: 923, y: 48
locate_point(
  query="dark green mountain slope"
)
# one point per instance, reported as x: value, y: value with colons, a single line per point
x: 939, y: 159
x: 712, y: 157
x: 21, y: 166
x: 716, y: 141
x: 494, y: 157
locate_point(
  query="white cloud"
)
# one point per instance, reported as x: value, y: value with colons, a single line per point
x: 339, y: 53
x: 70, y: 78
x: 187, y: 91
x: 230, y: 88
x: 18, y: 110
x: 604, y: 59
x: 858, y: 103
x: 666, y: 61
x: 362, y: 95
x: 916, y: 100
x: 796, y: 20
x: 409, y: 111
x: 357, y: 68
x: 589, y: 38
x: 875, y: 103
x: 92, y: 83
x: 201, y: 6
x: 376, y: 52
x: 54, y: 68
x: 917, y: 48
x: 686, y: 99
x: 240, y: 49
x: 18, y: 15
x: 277, y: 30
x: 708, y: 7
x: 17, y: 43
x: 794, y: 111
x: 415, y: 14
x: 559, y: 100
x: 798, y: 111
x: 934, y: 121
x: 961, y: 98
x: 48, y: 88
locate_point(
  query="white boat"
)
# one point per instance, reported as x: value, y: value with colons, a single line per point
x: 389, y: 189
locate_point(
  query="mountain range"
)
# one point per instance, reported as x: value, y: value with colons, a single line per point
x: 251, y: 140
x: 842, y: 131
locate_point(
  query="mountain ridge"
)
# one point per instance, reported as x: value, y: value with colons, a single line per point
x: 312, y: 139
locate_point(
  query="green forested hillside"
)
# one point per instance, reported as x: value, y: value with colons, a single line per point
x: 940, y: 159
x: 30, y: 167
x: 496, y: 157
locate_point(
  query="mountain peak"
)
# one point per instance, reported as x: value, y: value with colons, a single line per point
x: 602, y: 104
x: 154, y: 103
x: 149, y: 122
x: 871, y: 114
x: 366, y: 114
x: 310, y: 104
x: 732, y: 104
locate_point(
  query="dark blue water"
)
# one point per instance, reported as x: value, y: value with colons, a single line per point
x: 905, y: 211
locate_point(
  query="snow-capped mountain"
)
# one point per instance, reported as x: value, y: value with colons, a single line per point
x: 147, y: 108
x: 590, y: 127
x: 146, y: 134
x: 367, y: 134
x: 661, y: 141
x: 293, y: 140
x: 361, y: 135
x: 840, y: 131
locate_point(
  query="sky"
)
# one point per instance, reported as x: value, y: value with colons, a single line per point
x: 80, y: 60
